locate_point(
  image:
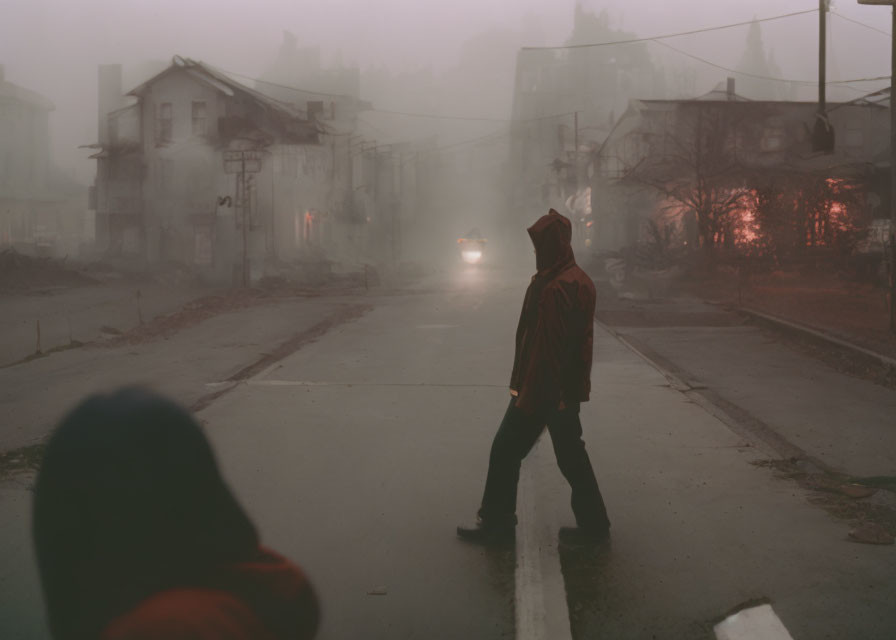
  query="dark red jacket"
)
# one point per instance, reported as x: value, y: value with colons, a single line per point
x: 268, y: 598
x: 555, y: 335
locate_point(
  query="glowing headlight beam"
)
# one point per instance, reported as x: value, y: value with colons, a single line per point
x: 471, y: 256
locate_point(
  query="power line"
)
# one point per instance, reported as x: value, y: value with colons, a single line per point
x: 862, y: 24
x: 879, y: 92
x: 281, y: 86
x: 771, y: 78
x: 672, y: 35
x: 434, y: 116
x: 373, y: 109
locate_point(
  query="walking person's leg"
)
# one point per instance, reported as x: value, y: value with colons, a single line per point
x: 587, y: 503
x: 516, y: 436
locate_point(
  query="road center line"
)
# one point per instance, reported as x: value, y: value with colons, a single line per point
x: 540, y: 606
x: 322, y: 383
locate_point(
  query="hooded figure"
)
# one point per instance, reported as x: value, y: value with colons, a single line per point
x: 555, y: 334
x: 551, y: 376
x: 137, y: 535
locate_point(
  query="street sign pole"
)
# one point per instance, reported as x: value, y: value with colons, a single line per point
x: 242, y: 162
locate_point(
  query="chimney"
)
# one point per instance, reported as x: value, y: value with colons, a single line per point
x: 109, y: 97
x: 731, y: 89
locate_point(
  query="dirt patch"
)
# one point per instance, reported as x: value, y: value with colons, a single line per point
x: 20, y: 273
x: 21, y: 461
x: 867, y: 504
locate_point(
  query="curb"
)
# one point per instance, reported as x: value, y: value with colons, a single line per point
x: 736, y: 418
x: 816, y: 334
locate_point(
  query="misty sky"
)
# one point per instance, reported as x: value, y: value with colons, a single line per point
x: 53, y: 46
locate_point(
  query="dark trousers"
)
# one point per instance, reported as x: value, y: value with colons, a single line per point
x: 516, y: 436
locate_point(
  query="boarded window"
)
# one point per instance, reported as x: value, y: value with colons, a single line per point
x: 165, y: 122
x: 199, y: 118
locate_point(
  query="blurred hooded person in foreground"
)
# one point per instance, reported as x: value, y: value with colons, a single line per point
x: 551, y: 377
x: 138, y: 537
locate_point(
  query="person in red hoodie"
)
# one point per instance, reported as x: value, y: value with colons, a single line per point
x: 550, y: 378
x: 137, y: 536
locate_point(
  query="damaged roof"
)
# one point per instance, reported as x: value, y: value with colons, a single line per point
x: 224, y: 84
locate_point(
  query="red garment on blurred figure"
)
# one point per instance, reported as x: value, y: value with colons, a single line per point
x: 268, y: 598
x: 555, y: 335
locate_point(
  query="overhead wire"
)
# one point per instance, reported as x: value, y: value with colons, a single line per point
x: 655, y: 39
x: 771, y: 78
x: 861, y: 24
x: 434, y: 116
x: 671, y: 35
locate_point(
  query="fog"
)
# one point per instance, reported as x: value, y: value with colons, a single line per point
x: 307, y: 222
x: 54, y: 46
x: 438, y: 76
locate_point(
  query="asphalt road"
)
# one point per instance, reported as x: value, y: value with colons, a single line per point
x: 358, y: 454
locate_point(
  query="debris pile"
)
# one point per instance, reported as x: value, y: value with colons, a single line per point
x: 20, y: 273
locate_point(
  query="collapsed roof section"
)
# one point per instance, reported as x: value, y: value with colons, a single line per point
x: 290, y: 121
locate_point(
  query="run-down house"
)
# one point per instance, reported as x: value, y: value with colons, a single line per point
x: 745, y: 143
x: 202, y: 170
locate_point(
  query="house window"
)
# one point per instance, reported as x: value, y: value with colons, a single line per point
x: 165, y: 122
x: 199, y: 118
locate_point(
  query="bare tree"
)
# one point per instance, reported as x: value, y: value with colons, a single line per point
x: 696, y: 167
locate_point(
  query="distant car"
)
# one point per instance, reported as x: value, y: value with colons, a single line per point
x: 472, y: 246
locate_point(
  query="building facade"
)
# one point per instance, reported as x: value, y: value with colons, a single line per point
x: 40, y: 212
x: 756, y: 141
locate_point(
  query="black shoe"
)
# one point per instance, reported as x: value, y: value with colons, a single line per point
x: 581, y: 537
x: 489, y: 535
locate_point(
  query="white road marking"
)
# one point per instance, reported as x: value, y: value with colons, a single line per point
x: 321, y: 383
x: 437, y: 326
x: 755, y: 623
x: 540, y: 595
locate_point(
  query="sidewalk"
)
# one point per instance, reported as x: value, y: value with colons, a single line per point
x: 78, y: 314
x: 34, y: 394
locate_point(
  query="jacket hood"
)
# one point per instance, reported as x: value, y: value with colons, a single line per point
x: 551, y: 236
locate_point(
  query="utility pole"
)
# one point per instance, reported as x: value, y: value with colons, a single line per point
x: 822, y: 132
x: 241, y: 163
x: 576, y: 143
x: 822, y: 53
x: 892, y: 239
